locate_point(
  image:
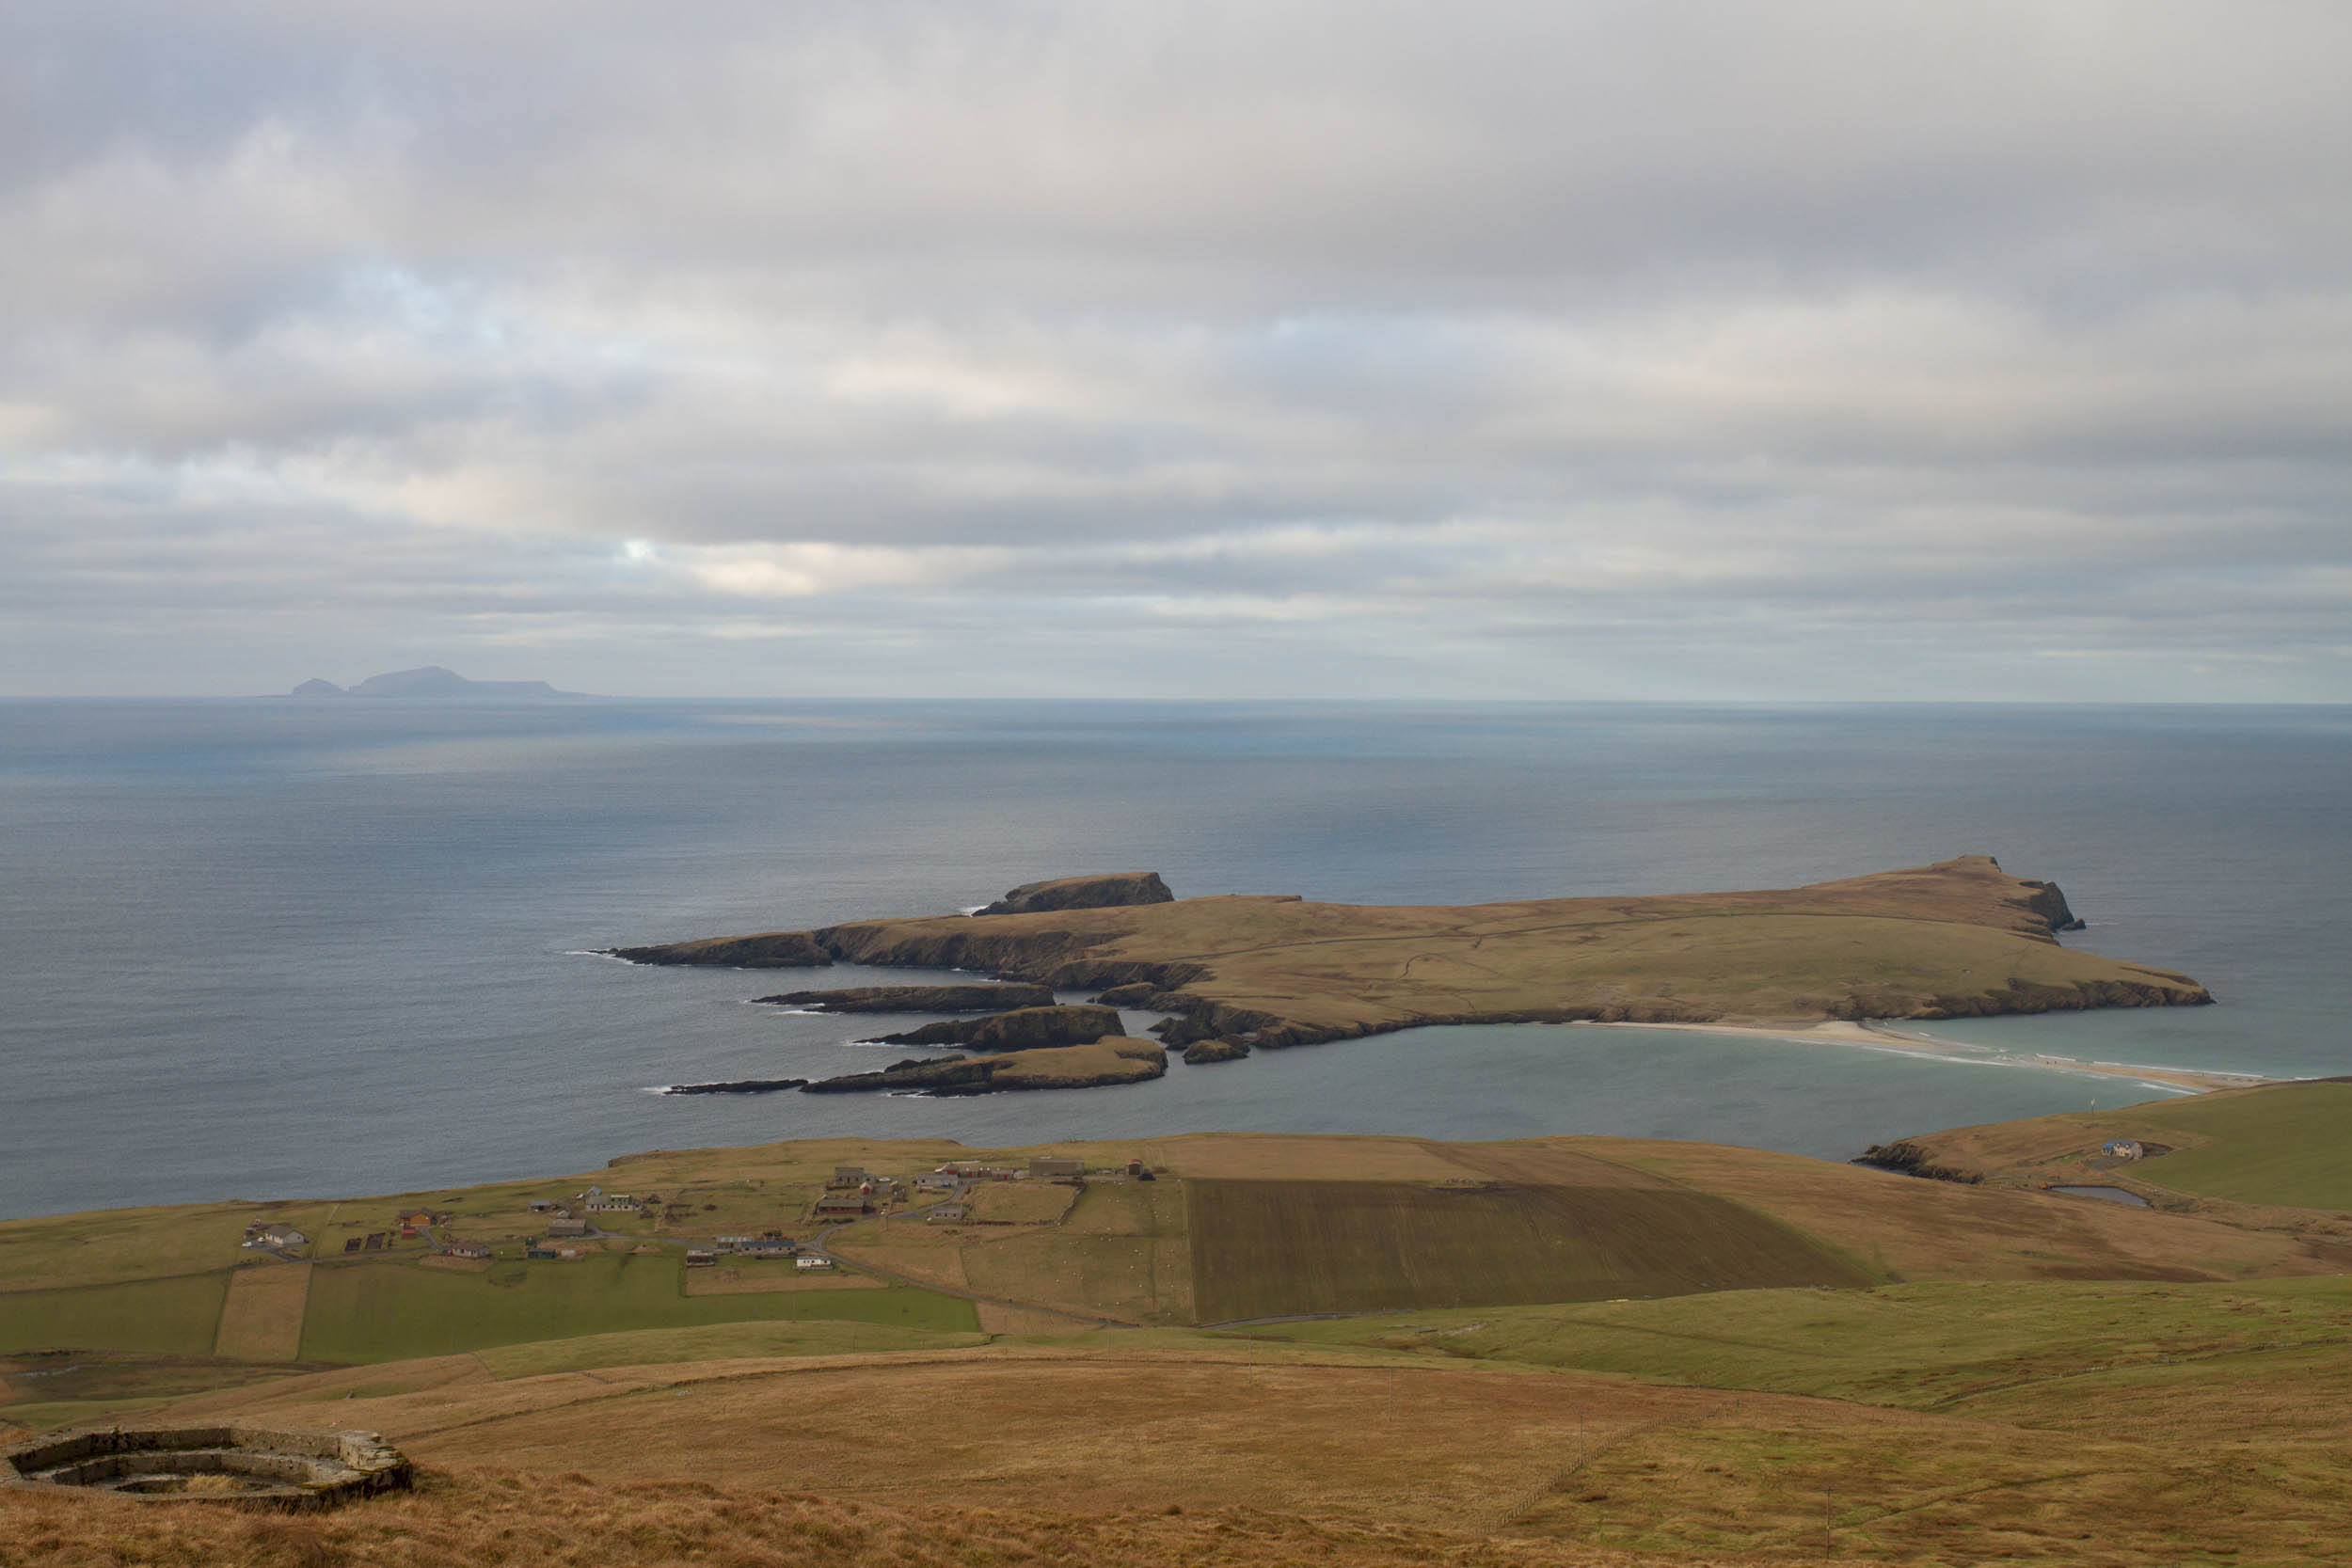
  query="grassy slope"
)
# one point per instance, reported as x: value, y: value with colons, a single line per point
x: 2103, y: 1423
x: 2289, y: 1146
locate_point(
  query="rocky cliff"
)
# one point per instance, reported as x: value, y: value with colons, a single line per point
x: 1098, y: 1064
x: 917, y: 999
x: 1024, y: 1029
x: 1118, y: 890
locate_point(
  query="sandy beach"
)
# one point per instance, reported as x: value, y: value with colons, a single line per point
x: 1877, y: 1038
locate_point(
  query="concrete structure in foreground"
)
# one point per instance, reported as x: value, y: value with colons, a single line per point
x: 251, y: 1467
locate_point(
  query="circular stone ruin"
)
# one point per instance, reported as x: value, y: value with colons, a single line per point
x: 255, y: 1467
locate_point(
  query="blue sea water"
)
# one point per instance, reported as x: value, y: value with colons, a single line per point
x: 264, y: 948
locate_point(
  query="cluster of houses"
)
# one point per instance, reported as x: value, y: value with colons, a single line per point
x: 851, y: 1190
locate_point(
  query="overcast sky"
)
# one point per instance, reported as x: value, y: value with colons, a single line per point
x: 1875, y: 350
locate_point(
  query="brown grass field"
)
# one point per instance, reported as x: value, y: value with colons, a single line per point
x: 1264, y: 1249
x: 261, y: 1318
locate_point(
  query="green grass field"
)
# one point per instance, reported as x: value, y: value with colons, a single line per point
x: 176, y: 1316
x: 1948, y: 1347
x: 1272, y: 1248
x: 2290, y: 1144
x: 388, y: 1312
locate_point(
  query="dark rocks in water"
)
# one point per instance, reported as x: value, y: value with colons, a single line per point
x: 1097, y: 1064
x: 741, y: 1086
x: 1115, y: 891
x: 1224, y: 1049
x: 768, y: 950
x: 919, y: 999
x: 1024, y: 1029
x: 1906, y: 1158
x: 934, y: 1077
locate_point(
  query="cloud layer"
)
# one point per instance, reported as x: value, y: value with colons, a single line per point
x: 1996, y: 351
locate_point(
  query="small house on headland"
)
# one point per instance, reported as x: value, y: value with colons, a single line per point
x: 2123, y: 1149
x: 273, y: 1236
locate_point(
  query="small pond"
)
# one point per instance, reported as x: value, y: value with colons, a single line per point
x: 2113, y: 1195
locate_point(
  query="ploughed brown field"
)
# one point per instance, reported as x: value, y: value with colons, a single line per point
x: 1264, y: 1249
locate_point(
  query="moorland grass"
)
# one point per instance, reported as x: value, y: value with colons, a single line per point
x: 1918, y: 1347
x: 647, y: 1347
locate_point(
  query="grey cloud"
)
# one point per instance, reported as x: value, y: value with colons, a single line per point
x: 1324, y: 337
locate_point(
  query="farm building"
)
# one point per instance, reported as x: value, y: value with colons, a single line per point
x: 274, y: 1235
x: 836, y: 1204
x: 765, y: 1246
x: 563, y: 1226
x: 937, y: 1183
x: 467, y: 1249
x: 539, y: 1254
x: 541, y: 1205
x: 948, y: 1214
x: 847, y: 1176
x: 1055, y: 1167
x: 812, y: 1263
x: 417, y: 1218
x: 2123, y: 1149
x: 700, y: 1259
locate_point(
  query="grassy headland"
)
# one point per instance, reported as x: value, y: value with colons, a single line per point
x: 1958, y: 939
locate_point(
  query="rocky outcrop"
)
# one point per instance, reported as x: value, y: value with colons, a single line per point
x: 1024, y: 1029
x: 1906, y: 1158
x: 917, y: 999
x: 2050, y: 904
x: 935, y: 1075
x: 1115, y: 891
x: 1201, y: 1051
x: 741, y: 1086
x: 2023, y: 996
x: 768, y: 950
x: 1098, y: 1064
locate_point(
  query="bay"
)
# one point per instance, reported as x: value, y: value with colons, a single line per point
x: 265, y: 948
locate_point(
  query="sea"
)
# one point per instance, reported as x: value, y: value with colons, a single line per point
x: 269, y: 948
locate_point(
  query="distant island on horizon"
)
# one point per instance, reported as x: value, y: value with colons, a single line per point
x: 430, y: 681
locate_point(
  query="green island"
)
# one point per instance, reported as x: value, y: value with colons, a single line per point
x: 1961, y: 938
x: 1257, y: 1349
